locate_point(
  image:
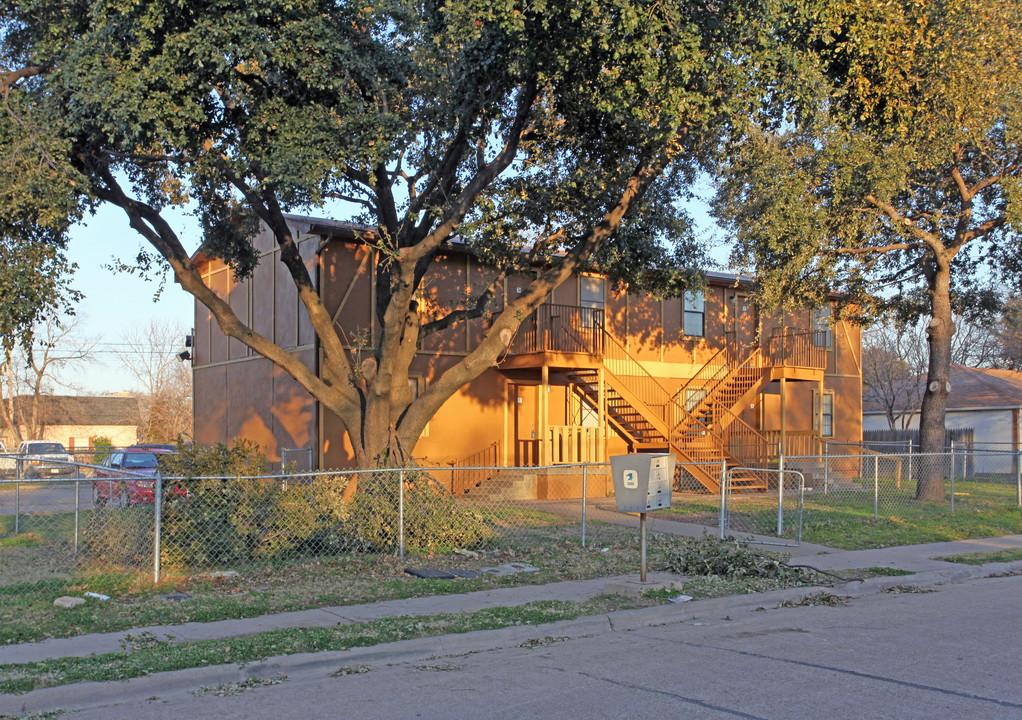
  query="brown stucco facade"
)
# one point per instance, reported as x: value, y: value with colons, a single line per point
x: 595, y: 372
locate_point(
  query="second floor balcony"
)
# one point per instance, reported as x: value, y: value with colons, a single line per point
x: 572, y: 336
x: 558, y: 331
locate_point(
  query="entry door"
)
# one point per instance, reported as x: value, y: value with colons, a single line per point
x: 526, y: 424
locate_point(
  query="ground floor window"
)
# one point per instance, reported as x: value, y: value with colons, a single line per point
x: 823, y: 413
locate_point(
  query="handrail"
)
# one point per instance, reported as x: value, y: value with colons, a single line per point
x: 560, y: 328
x: 649, y: 390
x: 801, y: 348
x: 710, y: 392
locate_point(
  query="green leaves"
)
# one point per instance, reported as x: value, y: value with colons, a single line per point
x: 908, y: 156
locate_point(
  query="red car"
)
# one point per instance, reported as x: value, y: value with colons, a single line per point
x: 128, y: 477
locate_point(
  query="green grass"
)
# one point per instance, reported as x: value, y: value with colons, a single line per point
x: 162, y: 656
x: 27, y: 613
x: 845, y: 520
x: 982, y: 558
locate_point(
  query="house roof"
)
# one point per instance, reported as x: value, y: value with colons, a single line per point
x: 81, y: 409
x: 970, y: 388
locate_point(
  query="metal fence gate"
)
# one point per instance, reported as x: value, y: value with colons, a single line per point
x: 762, y: 506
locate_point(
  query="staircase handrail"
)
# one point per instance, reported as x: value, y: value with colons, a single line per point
x: 752, y: 359
x: 652, y: 394
x: 719, y: 367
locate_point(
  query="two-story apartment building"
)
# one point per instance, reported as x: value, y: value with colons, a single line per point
x: 594, y: 372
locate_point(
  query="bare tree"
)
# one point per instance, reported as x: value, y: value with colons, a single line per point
x: 26, y: 376
x: 150, y: 354
x: 975, y: 343
x: 1008, y: 332
x: 894, y: 356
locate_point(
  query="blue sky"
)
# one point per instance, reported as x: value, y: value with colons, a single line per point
x: 114, y: 301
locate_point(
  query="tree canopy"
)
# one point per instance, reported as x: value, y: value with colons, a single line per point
x: 898, y: 178
x: 534, y: 132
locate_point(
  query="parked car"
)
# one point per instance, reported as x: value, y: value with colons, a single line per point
x: 8, y: 462
x: 128, y: 477
x: 45, y: 458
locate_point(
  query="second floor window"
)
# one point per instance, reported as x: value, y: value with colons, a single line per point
x: 591, y: 294
x: 695, y: 316
x: 822, y: 332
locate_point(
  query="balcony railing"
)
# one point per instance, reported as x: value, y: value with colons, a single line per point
x: 798, y: 348
x: 560, y: 328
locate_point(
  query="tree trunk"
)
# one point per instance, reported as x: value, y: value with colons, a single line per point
x: 930, y: 483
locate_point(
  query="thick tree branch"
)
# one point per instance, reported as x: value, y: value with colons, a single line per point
x: 494, y: 341
x: 470, y: 313
x: 148, y: 222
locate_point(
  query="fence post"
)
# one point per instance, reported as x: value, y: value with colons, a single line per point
x: 826, y: 467
x: 909, y: 441
x: 722, y: 519
x: 1018, y: 478
x: 77, y: 513
x: 401, y: 513
x: 876, y: 487
x: 17, y: 507
x: 780, y: 489
x: 952, y: 477
x: 585, y: 477
x: 157, y: 525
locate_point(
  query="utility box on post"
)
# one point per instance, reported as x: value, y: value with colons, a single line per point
x: 642, y: 481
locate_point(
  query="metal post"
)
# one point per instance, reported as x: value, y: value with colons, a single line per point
x: 585, y: 477
x: 876, y: 487
x: 77, y: 511
x: 17, y: 507
x: 642, y: 547
x: 1018, y: 478
x: 909, y: 441
x: 157, y: 525
x: 780, y: 491
x: 401, y: 514
x: 952, y: 477
x: 826, y: 467
x: 723, y: 499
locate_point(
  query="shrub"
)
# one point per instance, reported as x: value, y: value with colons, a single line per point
x: 233, y: 515
x: 119, y: 535
x: 433, y: 521
x: 102, y: 446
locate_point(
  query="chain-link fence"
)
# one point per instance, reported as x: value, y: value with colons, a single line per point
x: 147, y: 524
x: 150, y: 524
x: 763, y: 505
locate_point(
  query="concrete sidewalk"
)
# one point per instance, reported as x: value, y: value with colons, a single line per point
x: 912, y: 558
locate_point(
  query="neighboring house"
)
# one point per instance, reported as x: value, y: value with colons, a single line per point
x: 989, y: 401
x: 594, y: 372
x: 75, y: 420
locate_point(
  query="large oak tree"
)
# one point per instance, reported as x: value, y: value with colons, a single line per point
x: 896, y: 175
x: 547, y: 136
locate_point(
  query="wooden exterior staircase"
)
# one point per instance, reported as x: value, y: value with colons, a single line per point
x: 701, y: 422
x: 704, y: 436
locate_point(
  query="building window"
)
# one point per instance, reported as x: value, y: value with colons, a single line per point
x: 693, y: 398
x: 824, y: 415
x: 592, y: 293
x: 695, y: 316
x: 822, y: 331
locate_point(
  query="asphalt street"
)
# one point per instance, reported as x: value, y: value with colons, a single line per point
x: 34, y: 496
x: 949, y: 650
